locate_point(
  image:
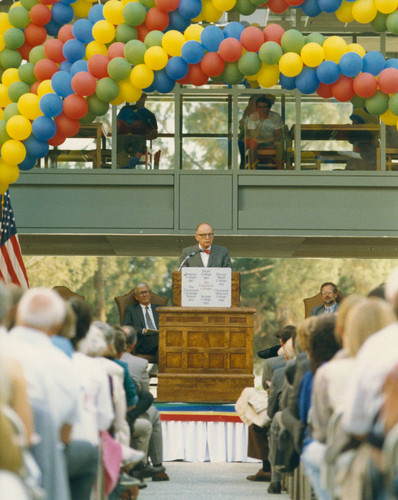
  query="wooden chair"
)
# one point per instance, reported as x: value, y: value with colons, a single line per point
x: 66, y: 293
x: 316, y: 300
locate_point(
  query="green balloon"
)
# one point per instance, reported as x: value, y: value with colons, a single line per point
x: 134, y: 13
x: 125, y: 33
x: 36, y: 54
x: 393, y: 104
x: 153, y: 39
x: 107, y: 89
x: 218, y: 78
x: 245, y: 7
x: 392, y: 22
x: 378, y: 103
x: 249, y: 63
x: 231, y: 74
x: 270, y: 52
x: 28, y: 4
x: 119, y: 69
x: 292, y: 41
x: 379, y: 23
x: 257, y: 3
x: 89, y: 117
x: 14, y: 38
x: 19, y: 17
x: 148, y: 3
x: 10, y: 58
x: 316, y: 38
x: 3, y: 132
x: 26, y: 74
x: 10, y: 110
x: 17, y: 89
x: 134, y: 52
x: 358, y: 102
x: 97, y: 107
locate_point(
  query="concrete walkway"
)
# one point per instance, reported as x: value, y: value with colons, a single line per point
x: 208, y: 481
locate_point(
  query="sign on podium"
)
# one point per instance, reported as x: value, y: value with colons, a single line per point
x: 206, y: 287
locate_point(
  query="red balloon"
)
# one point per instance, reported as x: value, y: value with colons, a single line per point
x: 365, y: 85
x: 324, y: 90
x: 273, y: 33
x: 35, y: 35
x: 44, y: 69
x: 294, y: 3
x: 230, y: 49
x: 98, y: 65
x: 142, y: 32
x: 40, y: 14
x: 65, y: 33
x: 116, y: 50
x: 83, y: 83
x: 167, y: 5
x: 277, y: 6
x: 53, y: 50
x: 25, y: 51
x: 67, y: 126
x: 388, y: 80
x: 252, y: 38
x: 196, y: 76
x: 212, y: 64
x: 33, y: 87
x: 75, y: 106
x: 57, y: 140
x: 156, y: 19
x: 343, y: 89
x: 48, y: 2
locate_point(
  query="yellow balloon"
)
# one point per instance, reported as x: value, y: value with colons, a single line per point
x: 4, y: 22
x: 155, y: 58
x: 8, y: 173
x: 193, y: 32
x: 118, y: 101
x: 268, y: 76
x: 103, y: 31
x: 389, y: 118
x: 386, y: 7
x: 29, y: 106
x: 334, y: 47
x: 3, y: 188
x: 141, y: 76
x: 356, y: 47
x: 94, y: 47
x: 172, y: 42
x: 81, y: 8
x: 13, y: 152
x: 312, y: 54
x: 2, y: 44
x: 113, y: 12
x: 4, y: 99
x: 45, y: 88
x: 344, y: 12
x: 209, y: 12
x: 18, y: 127
x: 224, y: 5
x: 128, y: 91
x: 290, y: 64
x: 10, y: 76
x: 1, y: 114
x: 364, y: 11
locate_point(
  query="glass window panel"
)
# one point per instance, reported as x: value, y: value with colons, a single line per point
x: 205, y: 115
x: 205, y: 153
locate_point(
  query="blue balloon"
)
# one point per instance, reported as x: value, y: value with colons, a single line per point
x: 52, y: 28
x: 177, y: 68
x: 211, y: 37
x: 162, y: 83
x: 177, y: 21
x: 73, y: 50
x: 65, y: 66
x: 190, y: 8
x: 51, y: 105
x: 329, y: 5
x: 307, y: 81
x: 391, y: 63
x: 373, y: 62
x: 149, y: 89
x: 328, y: 72
x: 192, y: 51
x: 62, y: 13
x: 287, y: 82
x: 351, y: 64
x: 77, y: 66
x: 28, y: 163
x: 82, y: 30
x: 43, y: 128
x: 36, y: 148
x: 233, y: 30
x: 311, y: 8
x: 96, y: 13
x: 61, y: 83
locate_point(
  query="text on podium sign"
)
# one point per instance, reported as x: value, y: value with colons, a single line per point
x: 206, y: 287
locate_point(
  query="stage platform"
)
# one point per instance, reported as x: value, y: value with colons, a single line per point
x: 196, y: 432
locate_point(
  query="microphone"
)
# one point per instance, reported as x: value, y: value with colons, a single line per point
x: 188, y: 257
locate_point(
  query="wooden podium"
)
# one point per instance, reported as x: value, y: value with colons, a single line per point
x: 205, y: 353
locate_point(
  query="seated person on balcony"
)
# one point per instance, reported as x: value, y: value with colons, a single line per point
x: 365, y: 145
x: 264, y: 130
x: 135, y: 125
x: 250, y: 109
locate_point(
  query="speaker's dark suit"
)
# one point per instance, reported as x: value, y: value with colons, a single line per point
x: 147, y: 343
x: 219, y: 257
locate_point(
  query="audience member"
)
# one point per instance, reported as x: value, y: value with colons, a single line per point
x: 137, y: 366
x: 249, y: 110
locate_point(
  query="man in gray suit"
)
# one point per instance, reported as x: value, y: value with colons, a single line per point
x: 137, y: 367
x: 329, y: 299
x: 205, y: 254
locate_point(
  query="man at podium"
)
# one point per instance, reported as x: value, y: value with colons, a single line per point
x: 205, y: 254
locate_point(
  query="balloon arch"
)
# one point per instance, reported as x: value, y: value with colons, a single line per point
x: 58, y: 74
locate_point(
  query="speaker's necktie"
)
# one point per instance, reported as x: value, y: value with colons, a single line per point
x: 148, y: 319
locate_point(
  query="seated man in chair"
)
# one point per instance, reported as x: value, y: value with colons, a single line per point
x: 264, y: 131
x: 145, y: 319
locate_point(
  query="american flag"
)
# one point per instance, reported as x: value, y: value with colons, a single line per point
x: 12, y: 268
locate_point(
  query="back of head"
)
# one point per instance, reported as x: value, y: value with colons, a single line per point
x: 68, y: 327
x: 344, y: 308
x: 119, y: 341
x: 109, y: 336
x: 391, y: 290
x: 15, y: 293
x: 286, y: 333
x: 83, y: 318
x: 323, y: 345
x: 131, y: 335
x: 41, y: 309
x: 5, y: 302
x: 303, y: 332
x: 94, y: 343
